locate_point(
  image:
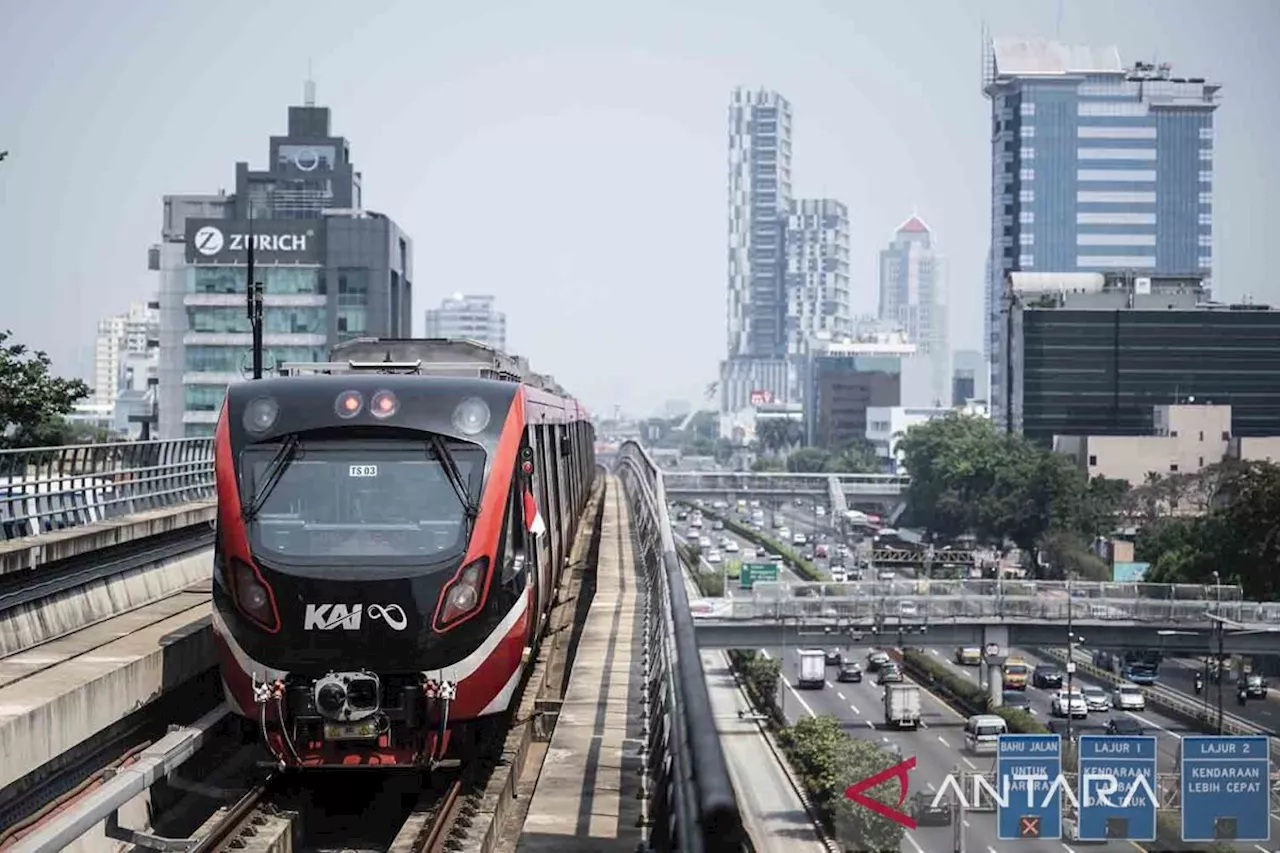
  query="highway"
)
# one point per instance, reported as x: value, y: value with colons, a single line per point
x: 1179, y: 674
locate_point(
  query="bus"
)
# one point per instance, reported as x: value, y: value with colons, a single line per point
x: 1016, y: 673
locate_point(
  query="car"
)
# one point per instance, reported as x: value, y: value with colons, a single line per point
x: 850, y: 673
x: 1046, y: 676
x: 1255, y: 685
x: 1126, y: 726
x: 717, y: 525
x: 731, y: 547
x: 921, y: 807
x: 908, y: 608
x: 1095, y: 698
x: 835, y: 657
x: 1018, y: 699
x: 714, y: 556
x: 1140, y: 674
x: 887, y: 575
x: 889, y: 674
x: 1068, y: 704
x: 969, y: 656
x: 1128, y: 697
x: 876, y: 659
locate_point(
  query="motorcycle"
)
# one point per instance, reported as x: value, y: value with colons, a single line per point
x: 1199, y: 685
x: 1243, y: 696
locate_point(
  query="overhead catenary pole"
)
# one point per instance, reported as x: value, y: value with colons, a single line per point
x: 254, y: 294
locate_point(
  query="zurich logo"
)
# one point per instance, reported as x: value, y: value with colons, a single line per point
x: 209, y: 240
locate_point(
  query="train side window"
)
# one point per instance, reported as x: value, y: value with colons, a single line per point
x: 514, y: 542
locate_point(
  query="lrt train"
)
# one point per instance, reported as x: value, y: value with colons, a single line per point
x: 389, y: 532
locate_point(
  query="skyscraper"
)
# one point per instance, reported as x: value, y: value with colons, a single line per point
x: 474, y: 318
x: 1095, y: 168
x: 913, y: 296
x: 332, y: 270
x: 817, y: 276
x: 759, y: 203
x: 136, y: 332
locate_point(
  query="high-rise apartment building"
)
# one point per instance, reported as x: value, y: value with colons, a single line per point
x: 474, y: 318
x: 1096, y: 167
x: 332, y: 270
x: 913, y: 296
x: 817, y: 273
x: 759, y: 205
x: 135, y: 332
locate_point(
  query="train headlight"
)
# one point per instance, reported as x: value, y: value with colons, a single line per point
x: 471, y: 416
x: 348, y: 404
x: 260, y: 415
x: 253, y: 596
x: 384, y: 404
x: 462, y: 594
x: 331, y: 697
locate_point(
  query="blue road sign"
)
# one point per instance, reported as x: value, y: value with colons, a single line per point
x: 1028, y: 778
x: 1225, y: 789
x: 1116, y: 788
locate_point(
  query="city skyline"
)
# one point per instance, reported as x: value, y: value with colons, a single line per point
x: 882, y: 127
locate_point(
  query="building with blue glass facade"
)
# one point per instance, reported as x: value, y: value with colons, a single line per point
x: 332, y: 271
x: 1096, y: 167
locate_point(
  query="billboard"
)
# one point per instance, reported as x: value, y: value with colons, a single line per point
x: 275, y: 241
x: 1129, y: 572
x: 761, y: 397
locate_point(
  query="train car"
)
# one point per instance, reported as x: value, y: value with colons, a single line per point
x: 390, y: 526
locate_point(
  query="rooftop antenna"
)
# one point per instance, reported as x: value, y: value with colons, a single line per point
x: 309, y: 88
x: 1057, y: 21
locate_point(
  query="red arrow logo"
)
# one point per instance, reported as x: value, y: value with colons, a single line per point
x: 898, y: 771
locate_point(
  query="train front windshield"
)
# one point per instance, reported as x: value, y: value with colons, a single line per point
x: 320, y: 500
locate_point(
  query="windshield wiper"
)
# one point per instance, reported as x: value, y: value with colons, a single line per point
x: 274, y: 471
x: 454, y: 476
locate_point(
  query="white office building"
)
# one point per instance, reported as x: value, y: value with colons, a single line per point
x: 473, y: 318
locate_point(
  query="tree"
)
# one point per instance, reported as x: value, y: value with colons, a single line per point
x: 855, y: 457
x: 829, y: 761
x: 33, y: 402
x: 774, y: 435
x: 765, y: 465
x: 808, y: 460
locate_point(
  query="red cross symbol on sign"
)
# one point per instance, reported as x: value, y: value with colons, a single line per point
x: 1030, y: 827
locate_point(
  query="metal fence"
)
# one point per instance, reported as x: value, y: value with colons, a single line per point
x: 43, y: 489
x: 691, y: 797
x: 898, y: 605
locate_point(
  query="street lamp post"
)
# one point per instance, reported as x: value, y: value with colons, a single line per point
x: 1217, y: 586
x: 1071, y: 657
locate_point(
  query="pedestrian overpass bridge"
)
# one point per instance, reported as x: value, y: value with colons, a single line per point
x: 836, y: 489
x: 1176, y: 619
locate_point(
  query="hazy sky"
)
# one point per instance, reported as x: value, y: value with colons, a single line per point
x: 569, y: 157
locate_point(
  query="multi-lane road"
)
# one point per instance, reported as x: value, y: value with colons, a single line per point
x: 938, y: 744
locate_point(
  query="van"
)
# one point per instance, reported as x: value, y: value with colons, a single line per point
x: 982, y: 733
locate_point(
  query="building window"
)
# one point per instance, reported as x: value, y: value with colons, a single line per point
x: 1206, y: 153
x: 1026, y: 196
x: 1027, y: 217
x: 1026, y: 261
x: 1028, y: 131
x: 1085, y: 131
x: 1028, y: 153
x: 1093, y: 460
x: 1205, y: 239
x: 1116, y: 218
x: 1115, y: 154
x: 1026, y: 239
x: 1204, y: 262
x: 1027, y: 108
x: 1206, y: 133
x: 1111, y: 108
x: 1027, y: 174
x: 1101, y: 197
x: 1201, y: 462
x: 1173, y: 468
x: 1119, y: 262
x: 1226, y: 436
x: 1206, y: 219
x: 1206, y: 177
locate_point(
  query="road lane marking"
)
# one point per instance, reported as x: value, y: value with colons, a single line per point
x: 943, y: 741
x: 830, y: 685
x: 918, y: 848
x: 870, y: 724
x: 841, y: 695
x: 1068, y: 849
x: 1153, y: 725
x: 855, y: 710
x: 972, y: 766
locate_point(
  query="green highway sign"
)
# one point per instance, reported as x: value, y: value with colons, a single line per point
x: 752, y: 572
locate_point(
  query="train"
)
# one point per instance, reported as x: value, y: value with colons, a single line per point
x: 390, y: 528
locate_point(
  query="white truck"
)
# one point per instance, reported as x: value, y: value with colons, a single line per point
x: 813, y: 669
x: 902, y: 706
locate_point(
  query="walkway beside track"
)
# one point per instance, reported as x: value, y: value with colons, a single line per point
x: 587, y: 796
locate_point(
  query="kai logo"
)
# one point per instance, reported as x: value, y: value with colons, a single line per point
x: 330, y: 617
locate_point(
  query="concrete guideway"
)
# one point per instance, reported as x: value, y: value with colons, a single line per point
x: 59, y: 694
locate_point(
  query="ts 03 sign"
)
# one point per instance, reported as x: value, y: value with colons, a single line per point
x: 275, y: 241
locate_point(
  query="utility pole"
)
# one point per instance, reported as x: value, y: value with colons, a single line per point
x: 254, y: 292
x: 1071, y: 658
x: 1217, y: 586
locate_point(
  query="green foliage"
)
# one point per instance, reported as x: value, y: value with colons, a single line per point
x: 856, y: 457
x: 766, y: 464
x: 774, y: 435
x: 33, y: 402
x: 969, y: 477
x: 828, y: 761
x: 1239, y: 537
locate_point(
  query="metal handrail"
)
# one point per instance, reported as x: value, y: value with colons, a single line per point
x: 693, y: 806
x: 43, y: 489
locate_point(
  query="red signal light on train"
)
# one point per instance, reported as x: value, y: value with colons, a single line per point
x: 384, y: 404
x: 526, y: 467
x: 349, y: 404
